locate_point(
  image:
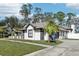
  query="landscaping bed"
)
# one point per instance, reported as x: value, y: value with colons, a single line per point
x: 8, y: 48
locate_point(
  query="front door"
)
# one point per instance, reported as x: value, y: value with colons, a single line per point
x: 42, y: 34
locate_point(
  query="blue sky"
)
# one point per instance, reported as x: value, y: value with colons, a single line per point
x: 8, y: 9
x: 56, y: 7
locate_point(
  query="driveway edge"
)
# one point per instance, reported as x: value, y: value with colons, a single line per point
x: 37, y: 52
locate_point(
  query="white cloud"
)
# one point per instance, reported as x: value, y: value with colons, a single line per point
x: 77, y: 15
x: 8, y: 9
x: 12, y: 1
x: 73, y: 5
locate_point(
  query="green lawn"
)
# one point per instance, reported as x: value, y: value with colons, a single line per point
x: 8, y: 48
x: 40, y: 41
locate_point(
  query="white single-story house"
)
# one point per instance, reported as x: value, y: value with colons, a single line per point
x: 35, y: 31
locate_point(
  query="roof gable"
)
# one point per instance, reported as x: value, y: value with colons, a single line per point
x: 26, y: 26
x: 36, y: 25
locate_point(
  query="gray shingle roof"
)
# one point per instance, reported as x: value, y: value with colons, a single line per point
x: 43, y: 24
x: 39, y: 25
x: 36, y: 25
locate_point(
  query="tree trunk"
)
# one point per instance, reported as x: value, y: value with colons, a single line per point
x: 49, y: 40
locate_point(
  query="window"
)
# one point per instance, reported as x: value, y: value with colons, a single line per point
x: 30, y: 33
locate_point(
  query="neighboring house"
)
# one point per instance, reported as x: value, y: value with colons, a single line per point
x: 35, y: 31
x: 75, y: 26
x: 73, y: 34
x: 63, y: 32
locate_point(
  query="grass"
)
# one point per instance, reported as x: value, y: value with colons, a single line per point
x: 8, y: 48
x: 41, y: 41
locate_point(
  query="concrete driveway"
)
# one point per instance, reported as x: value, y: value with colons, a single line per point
x: 67, y: 48
x: 71, y: 46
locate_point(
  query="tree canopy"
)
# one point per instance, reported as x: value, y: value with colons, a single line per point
x: 60, y: 16
x: 38, y: 16
x: 51, y: 27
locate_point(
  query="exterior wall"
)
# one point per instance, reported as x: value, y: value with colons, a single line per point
x: 26, y: 33
x: 60, y: 34
x: 73, y: 27
x: 73, y: 35
x: 46, y: 36
x: 63, y: 34
x: 42, y: 35
x: 37, y: 35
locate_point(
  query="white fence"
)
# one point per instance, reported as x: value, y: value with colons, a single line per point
x: 73, y: 35
x: 15, y: 37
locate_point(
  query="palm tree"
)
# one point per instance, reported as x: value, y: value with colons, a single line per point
x: 51, y: 28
